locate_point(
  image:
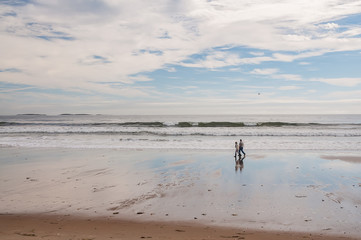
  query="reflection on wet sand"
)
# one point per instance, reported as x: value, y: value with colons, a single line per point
x: 239, y: 163
x: 280, y: 191
x: 351, y: 159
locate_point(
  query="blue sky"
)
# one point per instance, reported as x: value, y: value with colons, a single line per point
x: 180, y: 57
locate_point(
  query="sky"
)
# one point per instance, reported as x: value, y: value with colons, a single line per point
x: 180, y: 56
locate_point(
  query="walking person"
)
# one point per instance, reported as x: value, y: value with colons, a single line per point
x: 237, y: 149
x: 241, y: 145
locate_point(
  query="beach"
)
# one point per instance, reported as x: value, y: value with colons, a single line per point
x: 65, y: 228
x: 64, y: 193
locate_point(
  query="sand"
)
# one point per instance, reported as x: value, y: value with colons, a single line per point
x: 123, y: 194
x: 66, y: 228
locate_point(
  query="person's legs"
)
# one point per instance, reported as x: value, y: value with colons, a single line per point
x: 241, y: 150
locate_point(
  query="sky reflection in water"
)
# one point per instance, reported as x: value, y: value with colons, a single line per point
x: 276, y: 190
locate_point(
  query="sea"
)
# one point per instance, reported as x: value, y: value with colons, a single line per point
x: 199, y: 132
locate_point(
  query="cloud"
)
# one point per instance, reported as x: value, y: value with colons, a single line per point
x: 345, y: 94
x: 329, y: 26
x: 215, y: 59
x: 292, y: 57
x: 8, y: 90
x: 265, y: 71
x: 290, y: 77
x: 15, y: 2
x: 140, y: 78
x: 258, y: 54
x: 10, y: 70
x: 344, y: 82
x: 273, y: 73
x: 94, y: 59
x: 286, y: 88
x: 184, y: 88
x: 311, y: 91
x: 219, y: 59
x: 111, y: 47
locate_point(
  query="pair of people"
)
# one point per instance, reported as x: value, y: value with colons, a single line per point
x: 239, y: 148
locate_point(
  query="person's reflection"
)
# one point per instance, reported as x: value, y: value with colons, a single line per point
x: 239, y: 164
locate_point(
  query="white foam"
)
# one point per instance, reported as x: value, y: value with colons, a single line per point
x: 106, y: 132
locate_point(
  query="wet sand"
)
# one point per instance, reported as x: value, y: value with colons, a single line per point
x: 178, y: 194
x: 66, y: 227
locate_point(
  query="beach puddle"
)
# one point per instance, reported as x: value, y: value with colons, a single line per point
x: 351, y: 159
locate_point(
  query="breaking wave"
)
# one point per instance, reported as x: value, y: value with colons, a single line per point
x: 178, y: 124
x: 196, y: 132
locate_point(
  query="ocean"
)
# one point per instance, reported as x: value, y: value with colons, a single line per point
x: 219, y: 132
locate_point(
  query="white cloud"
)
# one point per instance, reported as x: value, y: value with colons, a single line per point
x: 15, y: 89
x: 273, y: 73
x: 235, y: 69
x: 311, y: 91
x: 265, y: 71
x: 344, y: 82
x: 219, y: 59
x: 258, y: 54
x: 329, y: 26
x: 140, y: 78
x: 345, y: 94
x: 351, y: 32
x: 88, y: 46
x: 291, y: 77
x: 184, y: 88
x: 292, y: 57
x: 296, y: 38
x: 216, y: 59
x: 286, y: 88
x: 171, y: 69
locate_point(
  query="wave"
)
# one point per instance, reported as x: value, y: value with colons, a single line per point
x: 178, y: 124
x: 221, y: 124
x: 140, y: 124
x: 31, y: 114
x: 210, y: 124
x: 8, y: 123
x: 62, y: 124
x: 177, y: 134
x: 281, y: 124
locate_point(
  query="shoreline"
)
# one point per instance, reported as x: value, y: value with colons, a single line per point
x: 308, y: 195
x: 328, y: 154
x: 53, y: 227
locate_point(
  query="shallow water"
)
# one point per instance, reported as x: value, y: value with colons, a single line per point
x: 280, y: 190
